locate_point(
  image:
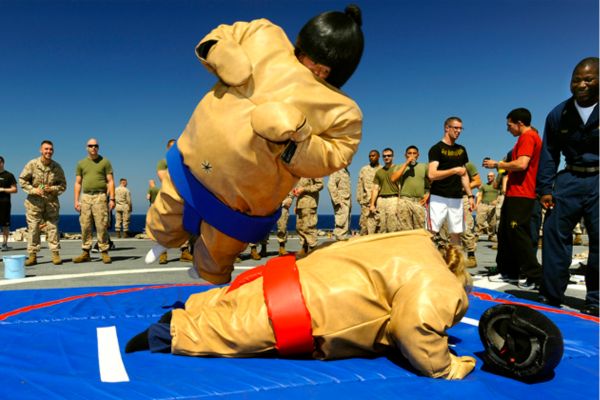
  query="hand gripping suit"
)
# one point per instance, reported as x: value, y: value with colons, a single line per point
x: 363, y: 297
x: 267, y: 122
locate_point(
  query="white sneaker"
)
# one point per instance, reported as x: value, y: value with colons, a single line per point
x: 501, y: 278
x: 5, y: 247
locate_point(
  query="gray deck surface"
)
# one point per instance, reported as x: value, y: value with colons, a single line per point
x: 128, y: 268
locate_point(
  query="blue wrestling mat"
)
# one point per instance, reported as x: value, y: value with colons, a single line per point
x: 69, y: 344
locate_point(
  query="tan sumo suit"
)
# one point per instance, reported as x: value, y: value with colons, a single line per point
x: 265, y: 102
x: 366, y: 296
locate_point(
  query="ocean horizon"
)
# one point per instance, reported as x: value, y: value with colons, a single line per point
x: 70, y: 223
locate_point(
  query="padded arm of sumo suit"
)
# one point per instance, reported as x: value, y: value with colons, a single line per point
x: 280, y: 122
x: 419, y: 319
x: 222, y: 54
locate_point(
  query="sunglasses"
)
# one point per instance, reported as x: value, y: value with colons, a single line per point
x: 93, y: 145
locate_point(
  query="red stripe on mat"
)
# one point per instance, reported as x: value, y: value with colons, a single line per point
x: 51, y: 303
x: 488, y: 297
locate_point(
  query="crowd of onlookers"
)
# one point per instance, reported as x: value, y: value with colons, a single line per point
x: 440, y: 195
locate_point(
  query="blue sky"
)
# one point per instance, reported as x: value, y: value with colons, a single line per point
x: 125, y: 72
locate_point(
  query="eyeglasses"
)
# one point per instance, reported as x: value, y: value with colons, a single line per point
x: 456, y: 128
x: 93, y: 145
x: 388, y: 155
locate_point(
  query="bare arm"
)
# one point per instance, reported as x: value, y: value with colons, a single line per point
x: 374, y: 194
x: 435, y: 175
x: 110, y: 183
x: 77, y: 193
x: 520, y: 164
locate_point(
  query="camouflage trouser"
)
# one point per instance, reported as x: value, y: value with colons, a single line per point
x: 486, y: 219
x: 467, y: 237
x: 499, y: 202
x: 342, y: 221
x: 411, y: 215
x: 386, y: 208
x: 39, y: 210
x: 94, y: 212
x: 368, y: 221
x: 306, y: 226
x: 282, y: 225
x: 122, y: 219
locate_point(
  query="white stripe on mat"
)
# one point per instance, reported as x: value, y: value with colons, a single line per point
x: 109, y: 356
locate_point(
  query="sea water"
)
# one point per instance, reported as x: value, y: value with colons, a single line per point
x: 70, y: 223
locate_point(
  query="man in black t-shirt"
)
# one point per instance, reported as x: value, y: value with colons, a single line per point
x: 8, y: 185
x: 448, y: 177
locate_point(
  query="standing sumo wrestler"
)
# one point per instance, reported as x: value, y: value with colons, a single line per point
x: 275, y: 115
x: 361, y: 297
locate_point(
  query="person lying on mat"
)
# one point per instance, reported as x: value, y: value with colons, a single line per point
x: 366, y: 296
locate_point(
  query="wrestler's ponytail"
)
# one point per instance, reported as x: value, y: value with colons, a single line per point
x: 456, y: 262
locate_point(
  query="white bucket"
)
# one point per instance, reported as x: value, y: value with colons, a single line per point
x: 14, y: 266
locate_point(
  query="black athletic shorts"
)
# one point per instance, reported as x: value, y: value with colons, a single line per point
x: 4, y: 213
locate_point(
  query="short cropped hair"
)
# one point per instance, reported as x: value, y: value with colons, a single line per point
x: 520, y: 114
x: 388, y: 149
x: 453, y: 118
x: 412, y: 146
x: 47, y: 142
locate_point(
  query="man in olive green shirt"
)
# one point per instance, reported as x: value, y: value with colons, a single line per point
x: 384, y: 195
x: 94, y: 177
x: 487, y: 198
x: 414, y: 191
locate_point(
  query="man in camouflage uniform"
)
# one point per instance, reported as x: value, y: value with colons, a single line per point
x: 384, y: 195
x: 414, y: 191
x: 341, y: 196
x: 123, y: 208
x: 282, y: 223
x: 43, y: 179
x: 94, y: 177
x: 364, y: 187
x: 487, y: 198
x: 307, y: 193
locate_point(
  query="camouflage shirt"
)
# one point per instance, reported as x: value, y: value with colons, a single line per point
x: 122, y: 199
x: 310, y: 196
x: 339, y: 187
x: 365, y: 184
x: 50, y: 178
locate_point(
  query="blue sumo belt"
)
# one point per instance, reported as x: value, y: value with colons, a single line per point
x: 199, y: 204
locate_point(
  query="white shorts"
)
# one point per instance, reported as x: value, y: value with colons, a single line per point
x: 444, y: 208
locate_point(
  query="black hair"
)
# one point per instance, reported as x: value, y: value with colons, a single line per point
x: 334, y: 39
x: 520, y: 114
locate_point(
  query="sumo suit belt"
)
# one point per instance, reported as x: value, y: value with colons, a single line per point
x: 286, y: 308
x: 199, y: 204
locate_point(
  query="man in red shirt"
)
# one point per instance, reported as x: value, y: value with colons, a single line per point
x: 515, y: 254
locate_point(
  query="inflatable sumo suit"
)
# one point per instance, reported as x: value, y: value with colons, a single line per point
x: 362, y: 297
x: 267, y: 122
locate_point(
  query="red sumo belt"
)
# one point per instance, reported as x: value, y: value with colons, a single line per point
x: 285, y: 304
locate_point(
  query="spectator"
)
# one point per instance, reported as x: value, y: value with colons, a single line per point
x: 368, y: 220
x: 571, y: 129
x: 8, y: 186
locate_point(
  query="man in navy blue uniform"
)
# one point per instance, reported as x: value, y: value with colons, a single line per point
x: 571, y: 129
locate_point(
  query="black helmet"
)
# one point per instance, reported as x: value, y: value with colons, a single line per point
x: 334, y: 39
x: 520, y: 342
